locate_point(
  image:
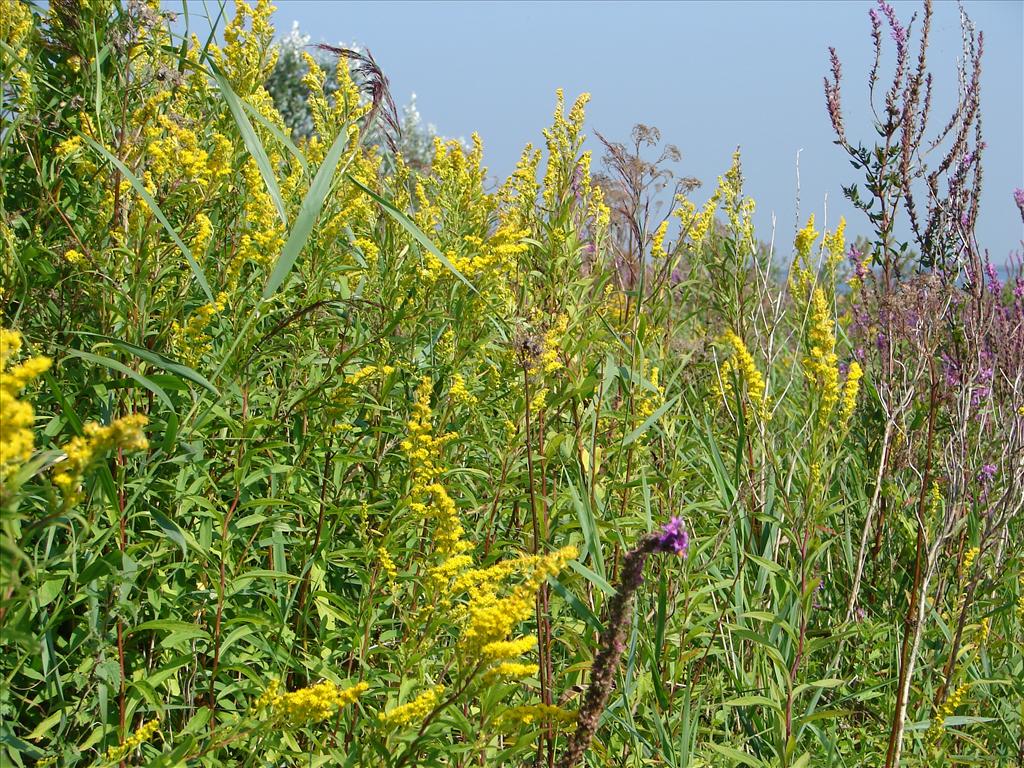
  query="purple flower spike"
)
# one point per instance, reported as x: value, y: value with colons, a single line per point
x: 673, y: 538
x: 988, y: 471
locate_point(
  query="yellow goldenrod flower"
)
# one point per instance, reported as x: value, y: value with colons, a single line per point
x: 145, y: 732
x: 512, y: 669
x: 16, y: 416
x: 124, y: 433
x: 429, y: 498
x: 548, y: 360
x: 413, y: 711
x: 805, y: 239
x: 459, y: 393
x: 948, y: 709
x: 534, y: 713
x: 743, y: 364
x: 658, y: 241
x: 307, y: 706
x: 369, y: 371
x: 969, y: 556
x: 387, y: 565
x: 821, y: 365
x: 850, y: 390
x: 835, y: 245
x: 192, y: 341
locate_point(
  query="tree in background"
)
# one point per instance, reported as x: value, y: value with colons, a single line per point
x: 415, y: 139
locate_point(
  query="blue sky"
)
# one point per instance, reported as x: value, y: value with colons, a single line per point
x: 711, y: 76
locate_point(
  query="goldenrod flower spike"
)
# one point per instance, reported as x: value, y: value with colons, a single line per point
x: 16, y: 416
x: 743, y: 364
x: 124, y: 433
x: 307, y: 706
x: 413, y: 711
x: 821, y: 365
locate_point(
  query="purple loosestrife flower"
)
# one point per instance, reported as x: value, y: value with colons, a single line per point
x: 673, y: 538
x: 988, y: 471
x: 1018, y: 198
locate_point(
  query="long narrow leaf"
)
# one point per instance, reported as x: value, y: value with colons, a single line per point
x: 309, y: 212
x: 252, y: 143
x: 114, y: 365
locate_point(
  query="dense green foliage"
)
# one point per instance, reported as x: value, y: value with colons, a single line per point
x: 313, y: 457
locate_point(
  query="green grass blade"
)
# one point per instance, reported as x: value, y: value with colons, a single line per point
x: 252, y: 142
x: 649, y: 422
x: 114, y: 365
x: 309, y: 212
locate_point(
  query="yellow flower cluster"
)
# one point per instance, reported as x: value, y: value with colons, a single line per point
x: 969, y: 557
x: 948, y: 709
x: 821, y: 365
x: 145, y: 732
x: 739, y: 209
x: 511, y: 669
x: 649, y: 401
x: 174, y: 154
x: 248, y: 56
x: 192, y: 340
x: 16, y: 416
x: 124, y: 433
x: 264, y: 236
x: 387, y: 565
x: 459, y: 393
x: 548, y: 361
x: 309, y: 705
x: 69, y: 147
x: 413, y: 711
x: 490, y: 616
x: 369, y: 372
x: 485, y: 609
x: 835, y: 245
x: 1020, y: 601
x: 344, y: 108
x: 850, y: 389
x: 742, y: 362
x: 802, y: 275
x: 568, y: 169
x: 658, y: 241
x: 697, y: 223
x: 984, y: 628
x: 805, y: 238
x: 428, y: 498
x: 494, y: 255
x: 534, y: 713
x: 519, y: 192
x: 15, y: 35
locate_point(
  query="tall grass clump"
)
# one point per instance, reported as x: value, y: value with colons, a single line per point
x: 315, y: 455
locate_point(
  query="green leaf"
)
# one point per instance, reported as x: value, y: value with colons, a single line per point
x: 577, y: 605
x: 148, y: 199
x: 167, y: 364
x: 753, y: 701
x: 594, y: 578
x: 309, y: 212
x: 737, y: 756
x: 252, y: 142
x: 649, y: 422
x: 114, y: 365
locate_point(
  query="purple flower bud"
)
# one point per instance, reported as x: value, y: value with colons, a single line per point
x: 673, y: 538
x: 988, y: 471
